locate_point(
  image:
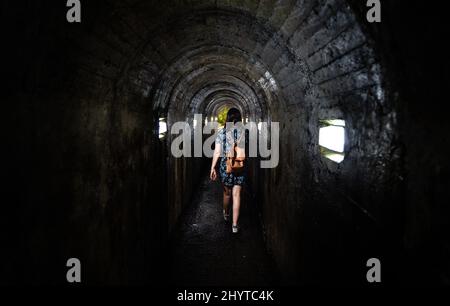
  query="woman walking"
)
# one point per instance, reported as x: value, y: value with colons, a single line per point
x: 232, y: 181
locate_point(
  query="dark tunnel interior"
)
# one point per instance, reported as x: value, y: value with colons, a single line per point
x: 90, y: 174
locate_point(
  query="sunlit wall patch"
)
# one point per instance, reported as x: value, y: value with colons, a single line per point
x: 162, y: 128
x: 268, y: 81
x: 332, y: 139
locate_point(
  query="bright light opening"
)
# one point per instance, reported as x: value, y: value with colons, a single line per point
x: 162, y: 129
x: 332, y: 139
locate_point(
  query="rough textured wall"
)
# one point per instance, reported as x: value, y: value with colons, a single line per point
x: 408, y: 41
x: 86, y: 171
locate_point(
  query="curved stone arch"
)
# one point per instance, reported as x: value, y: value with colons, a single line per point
x: 290, y: 30
x: 253, y: 55
x: 194, y: 85
x: 219, y: 95
x: 169, y: 81
x: 213, y: 92
x: 246, y: 94
x: 217, y: 106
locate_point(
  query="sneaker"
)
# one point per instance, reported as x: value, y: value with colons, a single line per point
x: 235, y: 229
x: 226, y: 216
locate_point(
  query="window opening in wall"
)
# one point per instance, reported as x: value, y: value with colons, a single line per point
x: 162, y: 128
x: 332, y: 139
x: 194, y: 123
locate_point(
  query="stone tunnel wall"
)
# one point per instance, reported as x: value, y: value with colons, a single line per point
x: 87, y: 170
x: 313, y: 205
x: 409, y: 43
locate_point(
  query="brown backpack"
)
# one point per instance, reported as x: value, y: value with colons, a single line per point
x: 235, y: 163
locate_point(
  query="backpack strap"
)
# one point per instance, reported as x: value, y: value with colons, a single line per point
x: 224, y: 140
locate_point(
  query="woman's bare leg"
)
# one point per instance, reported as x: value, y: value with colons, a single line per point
x: 226, y: 198
x: 236, y: 203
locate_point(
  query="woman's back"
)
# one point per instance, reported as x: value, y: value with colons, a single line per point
x: 226, y: 139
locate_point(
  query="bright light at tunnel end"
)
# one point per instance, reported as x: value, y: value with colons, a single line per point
x: 162, y: 128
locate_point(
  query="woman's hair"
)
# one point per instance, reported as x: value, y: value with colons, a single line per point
x: 234, y: 115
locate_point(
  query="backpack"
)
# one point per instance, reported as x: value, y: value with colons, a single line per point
x: 234, y: 162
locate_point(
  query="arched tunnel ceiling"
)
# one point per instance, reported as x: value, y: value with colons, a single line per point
x: 193, y: 73
x: 243, y: 44
x: 197, y: 69
x: 202, y: 90
x: 275, y: 53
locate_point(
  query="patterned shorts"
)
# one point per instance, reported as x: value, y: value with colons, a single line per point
x: 229, y: 179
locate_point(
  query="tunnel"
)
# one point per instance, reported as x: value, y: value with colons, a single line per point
x: 90, y: 108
